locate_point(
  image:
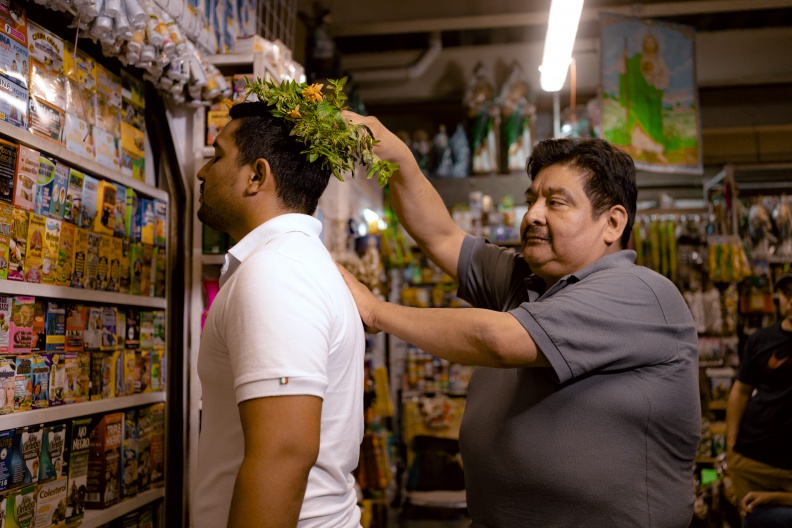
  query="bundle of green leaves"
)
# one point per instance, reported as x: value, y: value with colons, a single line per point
x: 316, y: 121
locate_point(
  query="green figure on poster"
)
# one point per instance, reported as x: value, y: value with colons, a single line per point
x: 641, y: 87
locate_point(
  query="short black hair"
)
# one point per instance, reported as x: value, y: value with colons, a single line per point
x: 298, y: 182
x: 609, y: 173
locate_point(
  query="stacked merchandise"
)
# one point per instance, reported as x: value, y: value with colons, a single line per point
x: 51, y: 473
x: 217, y: 116
x: 61, y: 227
x: 107, y: 126
x: 47, y: 84
x: 133, y: 127
x: 14, y: 65
x: 61, y: 352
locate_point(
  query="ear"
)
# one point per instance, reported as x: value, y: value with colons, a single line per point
x: 616, y: 223
x: 261, y: 178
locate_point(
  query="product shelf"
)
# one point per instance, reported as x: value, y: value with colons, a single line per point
x: 74, y: 410
x: 77, y: 294
x: 96, y: 518
x: 28, y: 139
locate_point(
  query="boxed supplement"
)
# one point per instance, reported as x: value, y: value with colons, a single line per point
x: 104, y: 463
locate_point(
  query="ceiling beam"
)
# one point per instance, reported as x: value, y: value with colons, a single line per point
x: 539, y: 18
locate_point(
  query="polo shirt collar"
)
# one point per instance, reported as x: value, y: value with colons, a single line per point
x: 263, y: 234
x: 620, y: 259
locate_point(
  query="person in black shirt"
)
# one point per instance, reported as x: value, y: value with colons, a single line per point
x: 759, y: 413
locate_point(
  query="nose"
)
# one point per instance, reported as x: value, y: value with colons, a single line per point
x: 202, y: 172
x: 535, y: 214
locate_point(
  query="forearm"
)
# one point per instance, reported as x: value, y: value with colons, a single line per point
x: 738, y: 401
x: 423, y: 214
x: 780, y: 498
x: 469, y: 336
x: 268, y: 493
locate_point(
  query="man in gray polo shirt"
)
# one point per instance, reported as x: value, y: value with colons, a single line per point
x: 584, y: 408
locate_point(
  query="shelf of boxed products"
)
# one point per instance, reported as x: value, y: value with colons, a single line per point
x: 96, y: 518
x: 78, y: 294
x: 74, y: 410
x: 27, y: 139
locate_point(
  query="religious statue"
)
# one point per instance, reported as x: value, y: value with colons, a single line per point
x: 484, y: 115
x: 518, y: 116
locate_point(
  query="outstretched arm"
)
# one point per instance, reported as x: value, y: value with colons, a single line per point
x: 738, y: 401
x: 470, y: 336
x: 417, y: 204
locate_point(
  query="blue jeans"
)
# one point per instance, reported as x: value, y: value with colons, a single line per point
x: 769, y: 516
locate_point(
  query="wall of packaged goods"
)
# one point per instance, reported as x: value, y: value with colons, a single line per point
x: 83, y: 286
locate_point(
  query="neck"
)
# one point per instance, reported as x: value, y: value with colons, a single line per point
x: 786, y: 324
x: 254, y: 218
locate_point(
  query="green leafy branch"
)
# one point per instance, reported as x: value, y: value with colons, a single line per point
x: 316, y: 121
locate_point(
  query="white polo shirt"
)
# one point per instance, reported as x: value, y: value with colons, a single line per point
x: 282, y: 313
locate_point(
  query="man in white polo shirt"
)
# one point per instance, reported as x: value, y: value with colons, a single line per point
x: 281, y: 358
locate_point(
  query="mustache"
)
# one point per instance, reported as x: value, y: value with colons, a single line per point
x: 535, y: 232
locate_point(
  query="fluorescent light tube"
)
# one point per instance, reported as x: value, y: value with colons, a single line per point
x: 561, y: 30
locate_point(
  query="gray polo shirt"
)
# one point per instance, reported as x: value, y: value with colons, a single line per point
x: 608, y: 435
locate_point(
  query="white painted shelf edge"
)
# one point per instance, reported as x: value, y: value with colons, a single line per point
x: 95, y: 518
x: 28, y: 139
x: 231, y: 59
x: 73, y: 410
x: 77, y: 294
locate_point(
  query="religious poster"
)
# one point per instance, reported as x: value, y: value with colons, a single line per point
x: 650, y: 105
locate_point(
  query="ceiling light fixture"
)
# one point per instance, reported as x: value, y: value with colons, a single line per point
x: 561, y: 30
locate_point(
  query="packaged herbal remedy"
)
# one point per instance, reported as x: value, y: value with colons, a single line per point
x: 143, y: 371
x: 41, y: 379
x: 104, y: 464
x: 57, y: 381
x: 22, y: 310
x: 157, y: 449
x: 92, y: 261
x: 6, y: 303
x: 144, y: 449
x: 27, y: 168
x: 79, y: 264
x: 59, y: 189
x: 121, y: 327
x: 55, y: 326
x: 46, y: 178
x: 38, y: 340
x: 103, y: 269
x: 79, y: 454
x: 116, y: 253
x: 26, y: 458
x: 132, y: 217
x: 129, y: 482
x: 21, y: 507
x: 7, y: 388
x: 63, y: 268
x: 146, y: 329
x: 83, y: 393
x: 97, y: 376
x: 120, y: 211
x: 155, y: 368
x: 106, y: 204
x: 90, y: 195
x: 131, y: 372
x: 161, y: 230
x: 112, y: 374
x: 34, y: 257
x: 6, y: 454
x: 125, y: 271
x: 136, y: 268
x: 53, y: 442
x: 148, y: 220
x: 146, y: 274
x: 109, y: 329
x: 76, y: 321
x: 92, y: 337
x: 51, y: 504
x: 23, y: 386
x: 17, y: 249
x: 6, y: 228
x: 9, y: 152
x: 73, y: 206
x: 71, y: 387
x: 49, y: 267
x: 132, y: 328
